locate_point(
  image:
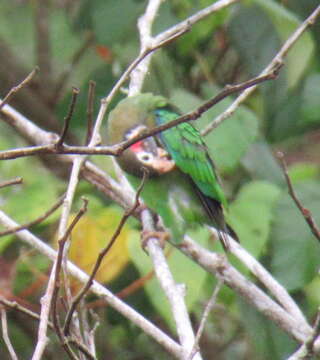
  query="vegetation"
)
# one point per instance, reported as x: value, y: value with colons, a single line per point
x: 88, y: 45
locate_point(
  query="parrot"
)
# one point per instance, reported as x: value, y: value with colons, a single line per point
x: 183, y: 186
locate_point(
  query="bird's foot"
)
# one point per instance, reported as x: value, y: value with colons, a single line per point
x: 161, y: 236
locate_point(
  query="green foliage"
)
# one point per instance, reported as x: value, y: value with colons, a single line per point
x: 291, y: 238
x: 228, y: 47
x: 265, y: 338
x: 252, y: 227
x: 183, y: 269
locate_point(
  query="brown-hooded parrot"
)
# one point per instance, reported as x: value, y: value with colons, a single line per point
x: 183, y: 187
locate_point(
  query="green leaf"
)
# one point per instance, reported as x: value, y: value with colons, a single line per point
x: 302, y: 172
x: 39, y: 191
x: 261, y: 164
x: 310, y: 100
x: 229, y: 142
x: 286, y: 23
x: 295, y: 251
x: 115, y: 21
x: 268, y: 341
x: 250, y: 214
x: 184, y: 271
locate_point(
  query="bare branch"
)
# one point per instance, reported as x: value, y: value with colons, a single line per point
x: 218, y: 5
x: 100, y: 257
x: 218, y: 265
x: 276, y: 289
x: 307, y: 351
x: 306, y: 213
x: 173, y: 291
x: 15, y: 89
x: 59, y: 263
x: 15, y: 306
x: 5, y: 334
x: 279, y: 58
x: 15, y: 181
x: 66, y: 120
x: 119, y: 148
x: 204, y: 318
x: 92, y: 86
x: 36, y: 221
x: 44, y: 316
x: 100, y: 290
x: 149, y: 42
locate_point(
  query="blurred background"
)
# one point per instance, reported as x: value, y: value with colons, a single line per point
x: 74, y: 42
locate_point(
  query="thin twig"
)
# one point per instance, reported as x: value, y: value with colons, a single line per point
x: 100, y: 290
x: 91, y: 93
x: 15, y: 89
x: 100, y: 257
x: 66, y: 120
x: 61, y: 242
x: 211, y: 9
x: 274, y: 287
x: 17, y: 307
x: 306, y: 213
x: 276, y: 60
x: 118, y: 149
x: 147, y: 41
x: 145, y: 23
x: 316, y: 333
x: 5, y: 334
x: 204, y: 318
x: 307, y: 350
x: 36, y: 221
x: 46, y: 301
x: 218, y: 265
x: 15, y: 181
x: 174, y: 292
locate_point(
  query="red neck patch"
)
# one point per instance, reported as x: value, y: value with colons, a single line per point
x: 136, y: 147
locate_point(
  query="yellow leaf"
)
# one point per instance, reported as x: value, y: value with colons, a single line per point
x: 91, y: 235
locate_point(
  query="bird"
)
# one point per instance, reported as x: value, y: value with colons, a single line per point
x: 183, y: 186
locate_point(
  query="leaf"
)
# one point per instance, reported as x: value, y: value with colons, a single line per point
x: 37, y: 194
x: 184, y: 271
x: 261, y: 164
x: 230, y: 141
x: 250, y: 214
x: 114, y: 21
x: 303, y: 171
x: 92, y: 234
x: 268, y: 341
x: 267, y: 20
x: 295, y: 251
x: 310, y: 100
x: 286, y: 23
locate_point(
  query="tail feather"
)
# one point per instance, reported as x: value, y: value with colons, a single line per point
x: 214, y: 211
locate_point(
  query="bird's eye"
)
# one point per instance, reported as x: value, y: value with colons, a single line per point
x: 145, y: 157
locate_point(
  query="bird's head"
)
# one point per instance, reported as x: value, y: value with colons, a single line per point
x: 131, y: 117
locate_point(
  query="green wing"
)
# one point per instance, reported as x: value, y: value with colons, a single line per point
x: 187, y: 148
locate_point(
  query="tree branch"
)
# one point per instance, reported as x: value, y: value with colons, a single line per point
x: 98, y: 289
x: 306, y: 213
x: 279, y: 58
x: 173, y: 291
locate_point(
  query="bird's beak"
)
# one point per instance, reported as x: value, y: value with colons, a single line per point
x: 162, y: 162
